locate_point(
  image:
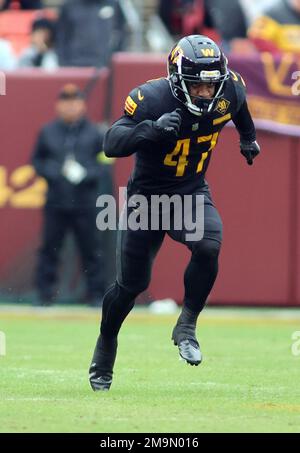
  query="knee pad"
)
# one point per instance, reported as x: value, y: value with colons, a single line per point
x: 206, y: 250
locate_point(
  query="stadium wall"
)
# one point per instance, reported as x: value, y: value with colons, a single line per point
x: 259, y: 204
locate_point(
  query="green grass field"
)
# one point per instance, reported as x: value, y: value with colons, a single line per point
x: 248, y: 381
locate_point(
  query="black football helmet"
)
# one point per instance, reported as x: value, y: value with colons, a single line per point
x: 196, y: 59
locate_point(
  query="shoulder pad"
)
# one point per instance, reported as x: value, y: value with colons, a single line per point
x: 137, y: 103
x: 236, y: 77
x: 142, y: 102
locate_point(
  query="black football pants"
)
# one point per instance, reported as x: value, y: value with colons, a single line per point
x: 136, y: 251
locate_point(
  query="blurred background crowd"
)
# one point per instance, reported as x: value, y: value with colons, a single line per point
x: 54, y: 33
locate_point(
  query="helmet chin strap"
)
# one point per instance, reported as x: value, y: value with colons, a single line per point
x: 193, y: 109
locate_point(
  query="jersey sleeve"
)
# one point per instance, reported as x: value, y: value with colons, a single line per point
x: 135, y: 129
x: 242, y: 118
x: 137, y: 105
x: 239, y: 87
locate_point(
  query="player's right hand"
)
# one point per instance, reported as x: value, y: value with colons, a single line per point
x: 169, y: 123
x: 249, y: 150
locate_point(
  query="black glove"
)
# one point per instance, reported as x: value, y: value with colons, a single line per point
x: 169, y: 123
x: 249, y: 150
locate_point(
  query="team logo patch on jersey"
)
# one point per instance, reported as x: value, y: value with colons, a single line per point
x: 195, y: 127
x: 222, y: 106
x: 130, y: 105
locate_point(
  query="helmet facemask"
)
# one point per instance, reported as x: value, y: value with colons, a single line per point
x: 184, y: 71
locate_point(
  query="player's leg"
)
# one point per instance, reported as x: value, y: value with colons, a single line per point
x: 136, y: 251
x: 116, y: 305
x: 199, y: 279
x: 54, y: 229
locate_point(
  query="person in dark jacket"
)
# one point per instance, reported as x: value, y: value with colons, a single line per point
x: 103, y: 25
x: 66, y: 156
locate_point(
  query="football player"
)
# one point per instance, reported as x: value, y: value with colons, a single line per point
x: 172, y: 125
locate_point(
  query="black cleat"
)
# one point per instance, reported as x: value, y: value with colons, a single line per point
x: 183, y: 336
x: 101, y: 382
x: 101, y: 369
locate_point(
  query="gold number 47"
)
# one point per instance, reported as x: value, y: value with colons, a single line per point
x: 182, y: 150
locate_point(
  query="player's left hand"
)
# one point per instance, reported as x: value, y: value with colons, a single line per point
x: 249, y: 150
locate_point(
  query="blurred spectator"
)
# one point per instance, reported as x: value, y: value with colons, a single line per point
x: 277, y: 30
x: 41, y: 52
x: 184, y: 17
x: 66, y: 156
x: 228, y: 18
x: 22, y: 4
x: 252, y: 10
x: 89, y: 31
x: 222, y: 21
x: 8, y: 60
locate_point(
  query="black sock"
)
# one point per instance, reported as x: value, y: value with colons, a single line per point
x: 201, y: 274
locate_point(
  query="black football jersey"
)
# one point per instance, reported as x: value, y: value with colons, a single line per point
x: 164, y: 165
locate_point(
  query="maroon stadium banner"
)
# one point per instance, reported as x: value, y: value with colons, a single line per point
x: 273, y: 87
